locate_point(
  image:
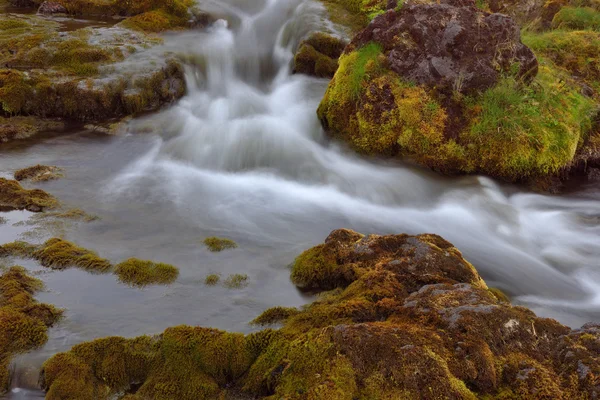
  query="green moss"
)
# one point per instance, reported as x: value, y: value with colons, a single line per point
x: 316, y: 269
x: 500, y: 295
x: 236, y: 281
x: 212, y: 279
x: 576, y: 51
x: 13, y: 195
x: 311, y: 62
x: 354, y: 14
x: 60, y: 254
x: 216, y: 244
x: 13, y: 91
x: 274, y: 315
x: 141, y: 273
x: 527, y: 131
x: 577, y: 18
x: 38, y: 173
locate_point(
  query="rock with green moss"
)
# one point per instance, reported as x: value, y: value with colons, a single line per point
x: 143, y: 272
x: 318, y: 55
x: 408, y: 318
x: 23, y: 321
x: 15, y: 196
x: 454, y: 89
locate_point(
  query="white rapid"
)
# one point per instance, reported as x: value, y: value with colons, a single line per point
x: 244, y: 154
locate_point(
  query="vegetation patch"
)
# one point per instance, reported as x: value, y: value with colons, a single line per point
x: 212, y: 279
x: 236, y: 281
x: 14, y: 196
x: 577, y: 18
x: 142, y: 272
x: 216, y: 244
x: 23, y: 321
x: 60, y: 254
x: 17, y: 249
x: 39, y: 173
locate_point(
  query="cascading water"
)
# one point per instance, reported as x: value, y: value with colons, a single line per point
x: 243, y: 155
x: 250, y: 146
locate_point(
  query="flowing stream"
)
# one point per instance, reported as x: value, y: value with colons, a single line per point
x: 243, y: 156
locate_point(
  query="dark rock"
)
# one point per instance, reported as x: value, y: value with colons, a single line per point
x: 50, y: 7
x: 22, y: 3
x: 457, y: 48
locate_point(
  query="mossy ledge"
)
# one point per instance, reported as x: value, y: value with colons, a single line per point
x: 23, y: 321
x: 413, y: 319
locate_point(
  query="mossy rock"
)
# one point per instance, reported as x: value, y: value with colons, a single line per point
x: 318, y: 55
x: 143, y: 272
x: 508, y: 127
x: 38, y: 173
x: 414, y: 322
x: 23, y: 321
x: 14, y: 196
x: 19, y: 128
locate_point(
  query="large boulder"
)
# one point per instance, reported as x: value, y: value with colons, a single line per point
x: 453, y: 88
x: 405, y: 317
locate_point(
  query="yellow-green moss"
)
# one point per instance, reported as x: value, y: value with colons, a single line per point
x: 23, y: 321
x: 212, y: 279
x: 499, y: 294
x: 315, y: 270
x: 236, y: 281
x: 216, y: 244
x: 38, y: 173
x: 354, y: 14
x: 274, y: 315
x: 17, y: 249
x: 142, y: 272
x: 13, y: 195
x: 576, y: 51
x: 59, y: 254
x: 13, y: 91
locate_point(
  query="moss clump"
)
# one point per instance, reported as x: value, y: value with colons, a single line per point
x: 316, y: 269
x: 16, y: 128
x: 354, y: 14
x: 500, y: 295
x: 216, y: 244
x: 212, y: 279
x: 13, y: 195
x: 577, y: 18
x: 60, y: 254
x: 510, y: 131
x: 236, y: 281
x: 141, y: 272
x: 17, y: 249
x: 318, y: 55
x: 13, y: 91
x: 39, y: 173
x: 275, y: 315
x: 23, y: 321
x: 576, y: 51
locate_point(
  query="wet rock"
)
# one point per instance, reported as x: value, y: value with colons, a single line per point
x: 39, y: 173
x: 50, y: 7
x: 450, y: 47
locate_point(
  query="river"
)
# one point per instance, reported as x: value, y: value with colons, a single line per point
x: 243, y: 156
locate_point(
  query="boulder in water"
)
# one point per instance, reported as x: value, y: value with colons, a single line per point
x: 318, y: 55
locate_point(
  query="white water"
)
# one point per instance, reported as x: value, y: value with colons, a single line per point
x: 244, y: 152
